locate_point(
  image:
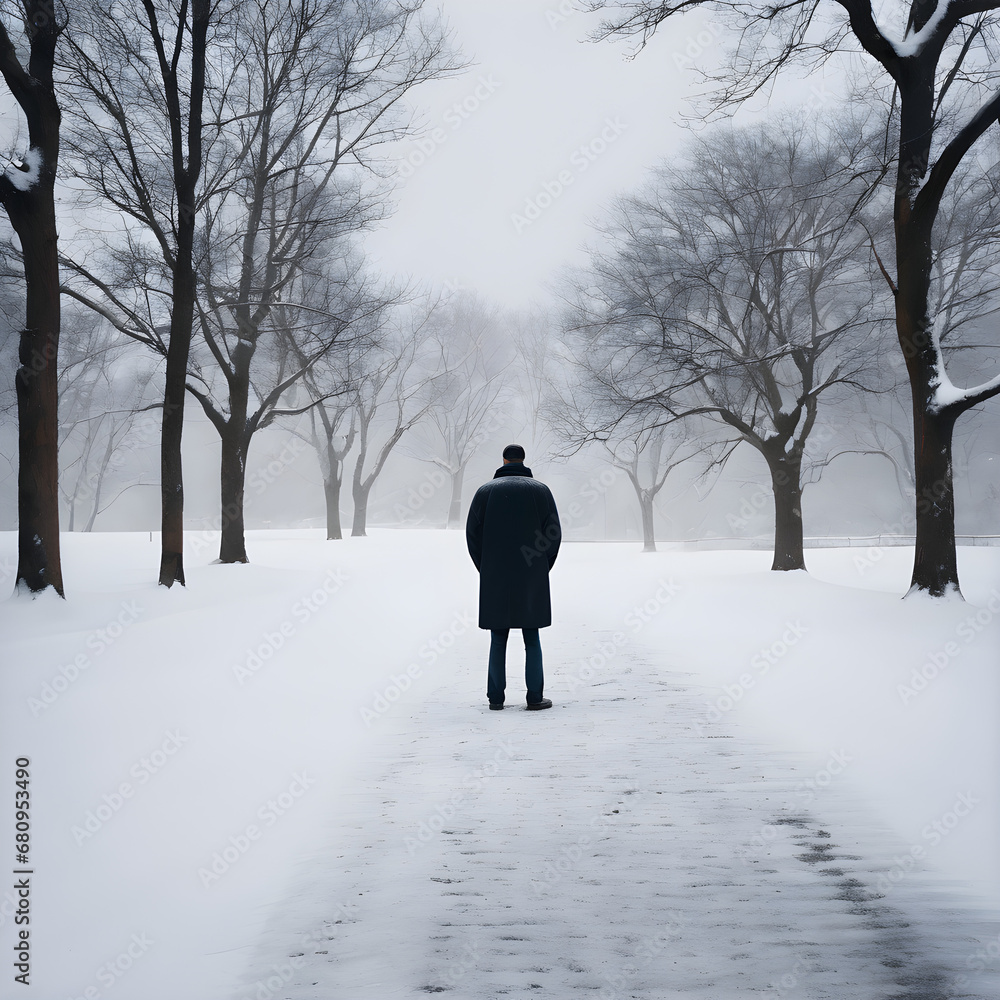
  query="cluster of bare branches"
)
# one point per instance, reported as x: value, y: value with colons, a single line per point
x: 734, y: 288
x: 938, y: 59
x: 226, y: 158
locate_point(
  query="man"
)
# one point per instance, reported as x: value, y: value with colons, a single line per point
x: 513, y: 535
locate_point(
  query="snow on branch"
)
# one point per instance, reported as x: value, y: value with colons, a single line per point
x: 912, y: 44
x: 947, y: 394
x: 24, y: 175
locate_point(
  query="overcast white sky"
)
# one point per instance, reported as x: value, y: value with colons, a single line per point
x: 540, y: 101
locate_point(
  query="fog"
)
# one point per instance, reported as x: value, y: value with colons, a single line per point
x: 494, y: 201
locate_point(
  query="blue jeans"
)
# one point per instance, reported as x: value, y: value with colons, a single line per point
x: 533, y: 678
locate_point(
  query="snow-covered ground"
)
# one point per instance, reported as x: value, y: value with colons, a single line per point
x: 283, y: 781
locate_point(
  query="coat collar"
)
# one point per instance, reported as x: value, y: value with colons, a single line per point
x: 513, y: 469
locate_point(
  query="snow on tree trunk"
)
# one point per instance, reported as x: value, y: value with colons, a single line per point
x: 27, y: 194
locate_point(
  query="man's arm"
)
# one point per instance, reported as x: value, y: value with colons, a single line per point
x: 552, y: 529
x: 474, y: 529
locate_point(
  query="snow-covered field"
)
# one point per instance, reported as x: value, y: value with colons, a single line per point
x: 283, y: 781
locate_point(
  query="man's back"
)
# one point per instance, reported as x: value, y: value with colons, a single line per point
x: 513, y: 535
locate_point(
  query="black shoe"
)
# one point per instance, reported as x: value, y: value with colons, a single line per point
x: 539, y: 705
x: 496, y: 706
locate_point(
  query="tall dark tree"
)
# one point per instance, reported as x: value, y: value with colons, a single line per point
x: 138, y: 82
x: 320, y: 97
x: 941, y: 64
x: 27, y: 195
x: 186, y: 157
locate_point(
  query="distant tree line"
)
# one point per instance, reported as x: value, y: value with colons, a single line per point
x: 222, y: 164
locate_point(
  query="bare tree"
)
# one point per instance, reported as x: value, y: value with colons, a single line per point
x: 946, y: 94
x: 332, y: 432
x: 251, y: 368
x: 532, y: 333
x: 473, y: 360
x: 579, y: 409
x: 300, y: 99
x: 395, y: 391
x: 323, y: 98
x: 27, y: 195
x: 137, y: 141
x: 737, y: 290
x: 327, y: 396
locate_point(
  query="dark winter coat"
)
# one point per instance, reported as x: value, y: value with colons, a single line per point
x: 513, y: 535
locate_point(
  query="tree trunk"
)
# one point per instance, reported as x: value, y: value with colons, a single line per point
x: 331, y: 488
x: 182, y: 299
x: 648, y: 537
x: 30, y: 206
x: 360, y: 510
x: 232, y: 547
x: 786, y: 482
x: 935, y: 561
x: 99, y: 485
x: 171, y: 471
x: 38, y: 561
x: 455, y: 508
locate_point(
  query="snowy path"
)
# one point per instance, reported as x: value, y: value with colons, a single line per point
x: 606, y: 848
